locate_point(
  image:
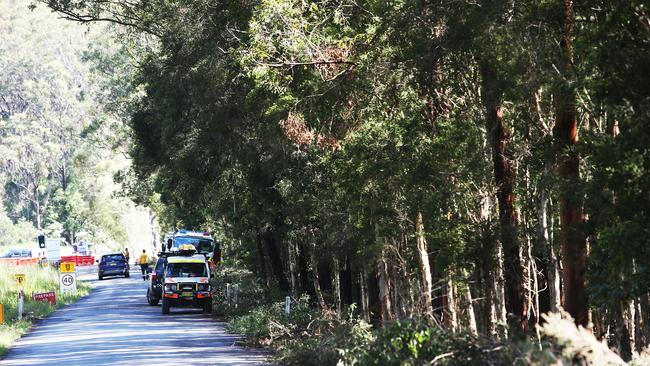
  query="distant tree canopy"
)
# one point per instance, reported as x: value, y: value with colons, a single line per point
x: 313, y: 135
x: 59, y: 135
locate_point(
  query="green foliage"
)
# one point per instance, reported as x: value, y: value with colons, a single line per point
x: 18, y: 234
x: 412, y: 343
x: 251, y: 292
x: 309, y: 131
x: 305, y: 337
x: 64, y: 96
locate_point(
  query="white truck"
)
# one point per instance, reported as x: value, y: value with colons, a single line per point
x: 53, y: 250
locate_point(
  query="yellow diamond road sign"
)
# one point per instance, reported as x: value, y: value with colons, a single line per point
x: 67, y: 267
x: 20, y: 279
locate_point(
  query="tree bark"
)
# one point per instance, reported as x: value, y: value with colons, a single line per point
x: 276, y: 261
x: 552, y: 272
x: 292, y: 269
x: 516, y: 281
x: 425, y: 269
x: 572, y: 239
x: 315, y: 278
x: 363, y: 288
x: 262, y: 260
x: 336, y: 278
x: 385, y: 285
x: 499, y: 291
x: 153, y: 230
x: 469, y: 308
x: 450, y: 316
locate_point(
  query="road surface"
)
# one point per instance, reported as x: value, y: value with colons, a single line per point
x: 115, y: 326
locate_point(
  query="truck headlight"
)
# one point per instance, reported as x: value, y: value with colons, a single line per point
x: 204, y: 287
x: 170, y: 287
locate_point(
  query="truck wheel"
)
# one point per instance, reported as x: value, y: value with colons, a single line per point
x: 127, y: 275
x: 207, y: 307
x: 165, y: 306
x: 151, y: 299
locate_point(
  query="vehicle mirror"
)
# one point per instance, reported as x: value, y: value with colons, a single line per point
x: 169, y: 244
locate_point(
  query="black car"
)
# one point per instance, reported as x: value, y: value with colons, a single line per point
x: 113, y: 265
x: 154, y: 292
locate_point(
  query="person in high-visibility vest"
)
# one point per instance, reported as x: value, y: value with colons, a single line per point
x: 144, y: 264
x: 127, y: 256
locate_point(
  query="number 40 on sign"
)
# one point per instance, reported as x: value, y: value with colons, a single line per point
x: 68, y: 282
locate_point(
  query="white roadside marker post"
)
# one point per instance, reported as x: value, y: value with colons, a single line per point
x: 21, y: 304
x: 287, y: 305
x: 235, y: 296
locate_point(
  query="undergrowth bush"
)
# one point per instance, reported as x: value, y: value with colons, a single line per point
x: 251, y: 292
x: 312, y: 337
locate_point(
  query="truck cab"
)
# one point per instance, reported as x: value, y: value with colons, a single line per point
x: 202, y: 242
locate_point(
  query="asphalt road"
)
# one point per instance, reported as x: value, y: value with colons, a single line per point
x: 115, y: 326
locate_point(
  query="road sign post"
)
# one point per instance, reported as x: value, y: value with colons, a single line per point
x: 21, y: 304
x: 20, y: 282
x: 68, y: 277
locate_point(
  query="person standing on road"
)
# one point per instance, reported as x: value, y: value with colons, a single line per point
x: 127, y: 255
x: 144, y: 264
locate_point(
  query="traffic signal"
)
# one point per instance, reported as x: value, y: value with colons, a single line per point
x: 41, y: 241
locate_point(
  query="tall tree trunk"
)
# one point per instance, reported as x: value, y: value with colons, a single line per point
x: 336, y: 279
x: 516, y: 281
x: 643, y: 317
x: 552, y: 272
x: 468, y: 305
x: 572, y: 239
x: 425, y: 269
x: 153, y: 230
x: 450, y: 316
x: 629, y: 316
x: 363, y: 288
x: 64, y: 177
x: 315, y: 277
x: 262, y: 260
x: 303, y: 265
x: 385, y: 286
x: 499, y: 291
x: 623, y: 332
x: 37, y: 208
x: 273, y: 251
x: 293, y: 275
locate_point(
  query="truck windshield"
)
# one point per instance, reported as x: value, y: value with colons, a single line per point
x: 186, y: 270
x: 202, y: 245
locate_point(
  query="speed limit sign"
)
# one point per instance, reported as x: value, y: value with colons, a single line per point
x: 68, y: 282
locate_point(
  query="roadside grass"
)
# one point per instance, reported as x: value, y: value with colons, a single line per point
x: 37, y: 279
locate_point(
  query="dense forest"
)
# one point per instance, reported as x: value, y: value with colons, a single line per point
x: 465, y: 165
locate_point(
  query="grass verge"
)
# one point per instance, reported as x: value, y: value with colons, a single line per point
x: 37, y: 279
